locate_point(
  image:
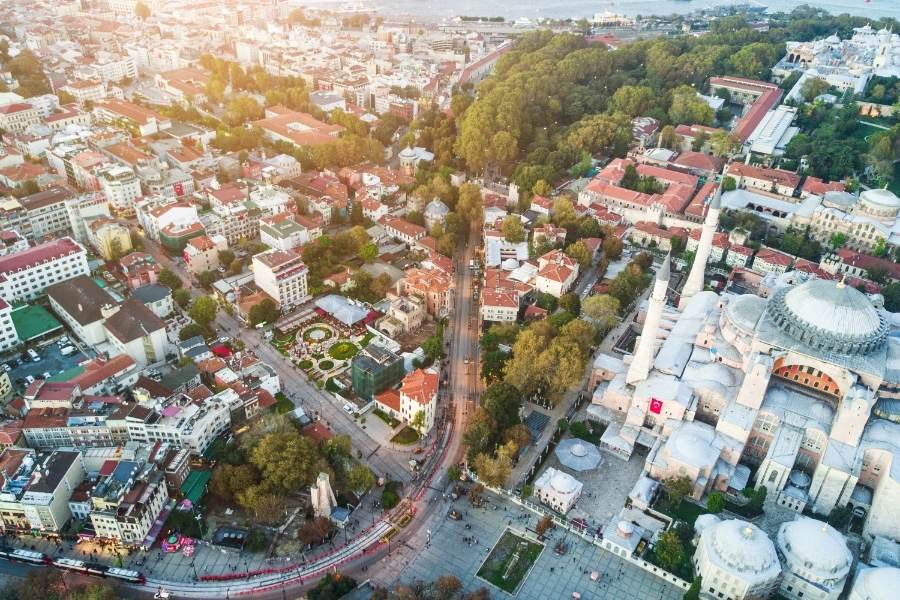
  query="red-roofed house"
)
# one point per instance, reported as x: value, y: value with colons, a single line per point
x: 776, y: 181
x: 719, y: 244
x: 418, y: 393
x: 769, y: 260
x: 556, y: 274
x: 403, y: 230
x: 646, y: 233
x: 816, y: 187
x: 738, y: 255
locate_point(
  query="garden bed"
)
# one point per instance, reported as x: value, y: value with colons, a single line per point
x: 406, y: 436
x: 343, y: 350
x: 510, y: 561
x: 391, y: 421
x: 325, y: 365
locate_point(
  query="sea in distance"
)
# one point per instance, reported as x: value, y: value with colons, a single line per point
x: 436, y: 10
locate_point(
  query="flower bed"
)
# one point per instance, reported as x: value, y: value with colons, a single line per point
x: 325, y: 365
x: 406, y: 436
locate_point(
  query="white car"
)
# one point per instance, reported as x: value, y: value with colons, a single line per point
x: 349, y: 408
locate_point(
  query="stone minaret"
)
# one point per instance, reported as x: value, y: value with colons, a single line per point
x: 694, y: 282
x: 642, y: 360
x: 321, y: 496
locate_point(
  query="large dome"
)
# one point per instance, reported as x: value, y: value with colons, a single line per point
x: 830, y: 316
x: 876, y: 584
x: 814, y: 547
x: 744, y: 547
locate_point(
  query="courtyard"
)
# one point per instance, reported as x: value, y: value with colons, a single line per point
x: 462, y: 548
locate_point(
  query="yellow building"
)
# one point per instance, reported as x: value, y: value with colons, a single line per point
x: 110, y: 239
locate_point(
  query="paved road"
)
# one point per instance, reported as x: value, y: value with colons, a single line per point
x: 315, y: 402
x: 459, y: 402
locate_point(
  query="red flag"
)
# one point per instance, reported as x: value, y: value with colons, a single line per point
x: 655, y: 405
x: 179, y: 189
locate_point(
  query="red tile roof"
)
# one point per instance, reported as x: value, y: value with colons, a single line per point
x: 39, y: 254
x: 420, y: 386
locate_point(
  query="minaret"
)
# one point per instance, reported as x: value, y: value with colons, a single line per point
x: 642, y: 360
x: 694, y: 282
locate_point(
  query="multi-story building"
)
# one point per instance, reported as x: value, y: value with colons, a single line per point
x: 375, y: 369
x: 282, y: 275
x: 25, y: 276
x: 36, y: 489
x: 126, y: 500
x: 8, y: 336
x: 142, y: 120
x: 287, y: 231
x: 111, y: 239
x: 202, y: 253
x: 556, y: 274
x: 120, y: 187
x: 418, y: 394
x: 139, y: 269
x: 46, y: 212
x: 433, y: 285
x: 134, y: 330
x: 82, y: 305
x: 85, y: 90
x: 403, y: 230
x: 18, y: 117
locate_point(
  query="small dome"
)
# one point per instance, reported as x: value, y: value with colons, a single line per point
x: 743, y: 546
x: 705, y: 521
x: 880, y: 583
x: 579, y: 450
x: 563, y: 483
x: 626, y: 528
x: 436, y: 208
x: 814, y: 546
x: 510, y: 264
x: 407, y: 153
x: 830, y: 316
x: 800, y: 479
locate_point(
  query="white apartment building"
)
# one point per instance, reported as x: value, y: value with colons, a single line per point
x: 287, y: 231
x: 121, y: 514
x: 8, y: 336
x: 120, y: 187
x: 154, y: 215
x: 202, y: 253
x: 37, y: 487
x: 282, y: 275
x: 25, y: 276
x: 85, y: 90
x: 18, y: 117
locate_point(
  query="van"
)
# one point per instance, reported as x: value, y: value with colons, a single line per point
x: 67, y: 350
x: 33, y: 355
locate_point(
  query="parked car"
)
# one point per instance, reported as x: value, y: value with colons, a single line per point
x: 455, y: 514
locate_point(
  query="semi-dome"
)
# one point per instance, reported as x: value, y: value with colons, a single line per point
x: 510, y: 264
x: 880, y: 583
x: 814, y: 548
x: 743, y: 547
x: 829, y: 316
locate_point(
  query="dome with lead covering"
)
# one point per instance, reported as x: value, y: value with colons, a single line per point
x: 742, y: 546
x: 829, y: 316
x: 815, y: 550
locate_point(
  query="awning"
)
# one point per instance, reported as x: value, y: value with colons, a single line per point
x: 194, y: 487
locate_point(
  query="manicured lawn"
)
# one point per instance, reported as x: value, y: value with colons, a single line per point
x: 510, y: 561
x: 343, y: 350
x: 305, y: 364
x: 406, y: 436
x: 391, y: 421
x: 686, y: 511
x: 283, y: 404
x: 326, y: 365
x: 366, y: 339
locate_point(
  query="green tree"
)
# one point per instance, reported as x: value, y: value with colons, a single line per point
x: 813, y: 87
x: 470, y: 205
x: 207, y: 278
x: 226, y: 257
x: 689, y: 109
x: 669, y: 139
x: 677, y: 487
x: 837, y: 240
x: 360, y: 478
x: 603, y: 310
x: 191, y: 330
x: 368, y: 252
x: 612, y: 247
x: 693, y: 592
x: 715, y: 502
x: 729, y: 184
x: 332, y: 587
x: 633, y: 100
x: 169, y: 279
x: 264, y: 311
x: 418, y: 421
x: 203, y: 311
x: 502, y: 401
x: 141, y: 11
x: 570, y: 303
x: 182, y: 297
x: 563, y: 213
x: 891, y: 293
x: 579, y: 251
x: 669, y: 550
x: 513, y: 230
x: 541, y: 188
x: 287, y: 461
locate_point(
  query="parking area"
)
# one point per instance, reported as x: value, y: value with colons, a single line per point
x: 51, y: 362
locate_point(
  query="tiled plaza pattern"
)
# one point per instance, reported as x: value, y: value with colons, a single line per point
x: 552, y: 577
